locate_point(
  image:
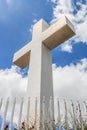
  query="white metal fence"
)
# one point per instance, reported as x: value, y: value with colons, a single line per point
x: 68, y: 114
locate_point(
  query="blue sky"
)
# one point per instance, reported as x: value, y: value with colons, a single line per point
x: 18, y: 16
x: 69, y: 60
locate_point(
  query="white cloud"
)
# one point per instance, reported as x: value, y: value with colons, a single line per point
x: 82, y: 32
x: 12, y: 83
x: 35, y: 20
x: 66, y: 47
x: 67, y: 81
x: 76, y: 12
x: 70, y: 81
x: 31, y: 28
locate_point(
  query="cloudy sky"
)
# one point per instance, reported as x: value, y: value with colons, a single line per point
x: 69, y: 60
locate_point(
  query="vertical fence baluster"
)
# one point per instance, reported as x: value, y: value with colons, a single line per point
x: 35, y: 121
x: 59, y: 118
x: 74, y: 117
x: 12, y: 113
x: 20, y: 113
x: 77, y: 114
x: 66, y: 116
x: 43, y: 114
x: 5, y: 113
x: 1, y: 103
x: 80, y: 116
x: 85, y: 107
x: 51, y: 113
x: 28, y: 112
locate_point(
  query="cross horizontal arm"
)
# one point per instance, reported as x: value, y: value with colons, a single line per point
x: 22, y: 57
x: 57, y: 33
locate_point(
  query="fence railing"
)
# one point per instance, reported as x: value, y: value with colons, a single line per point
x: 65, y: 114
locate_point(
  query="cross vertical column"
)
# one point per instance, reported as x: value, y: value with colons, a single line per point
x: 40, y: 72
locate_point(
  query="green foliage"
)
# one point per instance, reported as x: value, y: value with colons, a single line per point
x: 85, y: 128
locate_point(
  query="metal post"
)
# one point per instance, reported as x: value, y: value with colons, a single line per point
x: 59, y: 117
x: 35, y: 121
x: 51, y: 113
x: 74, y: 117
x: 20, y: 113
x: 66, y: 117
x: 5, y: 113
x: 28, y: 112
x: 12, y: 113
x: 85, y: 107
x: 80, y: 116
x: 1, y: 103
x: 43, y: 114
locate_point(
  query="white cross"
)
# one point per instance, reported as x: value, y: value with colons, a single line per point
x: 37, y: 54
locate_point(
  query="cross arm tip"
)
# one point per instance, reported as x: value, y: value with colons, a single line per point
x: 22, y: 57
x: 21, y: 61
x: 58, y: 33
